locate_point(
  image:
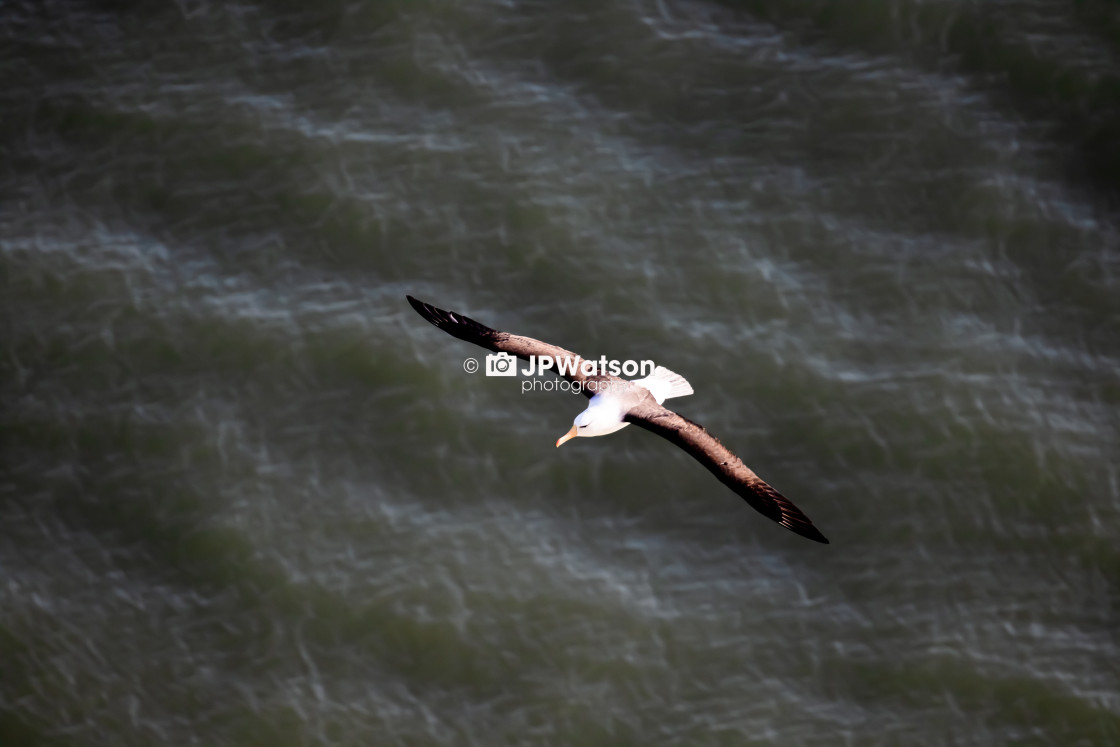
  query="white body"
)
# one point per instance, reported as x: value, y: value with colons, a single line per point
x: 606, y: 410
x: 603, y: 415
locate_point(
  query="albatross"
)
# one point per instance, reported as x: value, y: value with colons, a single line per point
x: 616, y: 403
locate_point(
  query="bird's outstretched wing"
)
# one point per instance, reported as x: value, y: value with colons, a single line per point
x: 721, y: 462
x: 468, y: 329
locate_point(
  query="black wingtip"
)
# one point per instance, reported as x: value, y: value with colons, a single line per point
x: 816, y: 536
x: 804, y: 528
x: 455, y: 324
x: 799, y: 524
x: 791, y: 517
x: 438, y: 317
x: 423, y: 309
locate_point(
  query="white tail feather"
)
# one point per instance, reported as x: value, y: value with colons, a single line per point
x: 664, y: 384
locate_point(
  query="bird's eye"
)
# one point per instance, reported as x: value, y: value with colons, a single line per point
x: 583, y: 426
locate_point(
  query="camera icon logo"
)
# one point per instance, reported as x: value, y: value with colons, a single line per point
x: 501, y: 364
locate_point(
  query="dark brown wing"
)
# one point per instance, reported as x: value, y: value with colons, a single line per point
x: 468, y: 329
x: 721, y: 462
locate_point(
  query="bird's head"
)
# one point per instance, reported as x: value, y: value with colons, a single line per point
x: 594, y: 421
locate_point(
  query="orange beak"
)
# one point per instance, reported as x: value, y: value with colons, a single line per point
x: 567, y: 436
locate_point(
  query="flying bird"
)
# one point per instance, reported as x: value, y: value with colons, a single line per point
x: 616, y: 403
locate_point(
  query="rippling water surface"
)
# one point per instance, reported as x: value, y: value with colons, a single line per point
x: 250, y: 497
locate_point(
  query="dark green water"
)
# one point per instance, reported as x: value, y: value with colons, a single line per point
x: 249, y: 497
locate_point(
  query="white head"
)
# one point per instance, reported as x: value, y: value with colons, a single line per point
x: 601, y: 417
